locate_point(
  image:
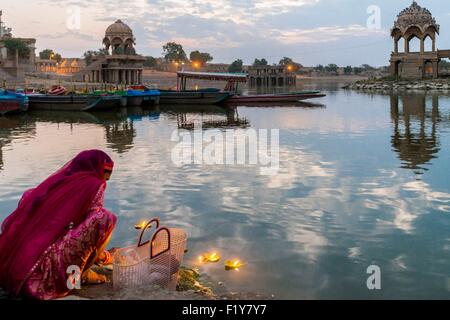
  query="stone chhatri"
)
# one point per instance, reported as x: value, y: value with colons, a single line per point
x: 416, y: 22
x: 415, y: 15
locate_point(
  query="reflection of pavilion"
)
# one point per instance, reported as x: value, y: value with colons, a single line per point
x: 119, y: 127
x: 415, y: 139
x: 213, y: 117
x: 120, y: 135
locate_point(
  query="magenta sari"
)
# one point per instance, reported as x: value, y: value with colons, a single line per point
x: 53, y: 225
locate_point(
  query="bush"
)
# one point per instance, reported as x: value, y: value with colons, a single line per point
x: 15, y: 44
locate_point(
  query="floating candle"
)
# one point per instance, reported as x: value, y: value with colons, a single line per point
x: 209, y: 257
x: 141, y: 225
x: 233, y: 265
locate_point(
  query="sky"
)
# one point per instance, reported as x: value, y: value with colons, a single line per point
x: 345, y: 32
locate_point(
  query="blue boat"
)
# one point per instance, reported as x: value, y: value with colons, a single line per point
x: 138, y: 98
x: 12, y: 102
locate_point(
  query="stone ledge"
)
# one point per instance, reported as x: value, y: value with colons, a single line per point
x: 401, y: 85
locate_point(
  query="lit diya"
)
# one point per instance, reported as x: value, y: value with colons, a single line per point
x: 233, y: 265
x: 141, y: 225
x: 209, y: 257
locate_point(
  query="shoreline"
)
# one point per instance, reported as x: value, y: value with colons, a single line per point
x: 423, y: 85
x: 159, y: 79
x: 192, y: 285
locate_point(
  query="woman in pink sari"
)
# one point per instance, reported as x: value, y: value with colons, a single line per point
x: 59, y: 224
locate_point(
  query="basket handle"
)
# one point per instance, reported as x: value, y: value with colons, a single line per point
x: 156, y: 220
x: 153, y: 241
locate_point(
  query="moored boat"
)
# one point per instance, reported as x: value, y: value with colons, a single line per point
x: 74, y: 102
x: 118, y: 93
x: 193, y: 97
x: 11, y: 102
x: 271, y: 98
x: 146, y: 97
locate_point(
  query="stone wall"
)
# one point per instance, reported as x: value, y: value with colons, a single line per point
x: 402, y: 85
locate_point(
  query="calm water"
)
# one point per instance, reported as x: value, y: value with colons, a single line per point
x: 364, y: 179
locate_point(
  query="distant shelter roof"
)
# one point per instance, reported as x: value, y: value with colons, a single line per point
x: 213, y: 76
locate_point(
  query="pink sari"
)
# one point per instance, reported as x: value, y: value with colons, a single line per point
x: 59, y: 223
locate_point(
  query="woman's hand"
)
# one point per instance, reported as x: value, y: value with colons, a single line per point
x: 113, y: 250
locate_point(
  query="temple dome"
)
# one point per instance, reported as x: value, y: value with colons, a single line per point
x: 415, y: 16
x: 119, y: 37
x: 119, y: 28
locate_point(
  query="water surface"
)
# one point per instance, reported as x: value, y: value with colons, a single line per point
x: 363, y: 179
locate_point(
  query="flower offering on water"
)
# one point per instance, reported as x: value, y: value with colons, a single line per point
x: 233, y: 265
x: 209, y: 257
x: 141, y: 225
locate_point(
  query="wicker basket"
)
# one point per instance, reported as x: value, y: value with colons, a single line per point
x: 153, y: 263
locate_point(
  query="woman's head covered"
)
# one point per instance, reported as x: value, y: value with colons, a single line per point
x: 94, y: 161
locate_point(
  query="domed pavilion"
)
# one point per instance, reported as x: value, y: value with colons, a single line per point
x: 119, y: 38
x: 416, y: 23
x: 121, y: 64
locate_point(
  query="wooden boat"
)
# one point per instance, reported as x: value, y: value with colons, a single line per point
x: 273, y: 98
x: 119, y: 93
x: 232, y: 86
x: 11, y: 102
x: 74, y: 102
x: 146, y: 97
x: 193, y: 97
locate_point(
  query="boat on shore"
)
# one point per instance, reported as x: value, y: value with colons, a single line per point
x: 12, y: 102
x: 274, y: 98
x: 74, y: 102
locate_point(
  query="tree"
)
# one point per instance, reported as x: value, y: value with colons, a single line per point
x: 119, y: 51
x: 200, y: 57
x: 286, y: 61
x: 319, y: 68
x: 367, y: 67
x: 293, y: 66
x: 174, y: 52
x: 16, y: 45
x: 259, y: 63
x: 332, y: 68
x: 348, y: 70
x: 150, y: 62
x: 130, y: 51
x: 236, y: 66
x: 45, y: 54
x: 357, y: 70
x: 89, y: 55
x: 444, y: 65
x: 48, y: 54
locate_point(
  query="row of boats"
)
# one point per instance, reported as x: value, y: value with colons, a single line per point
x: 59, y: 99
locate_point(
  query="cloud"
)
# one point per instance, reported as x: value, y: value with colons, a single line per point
x: 228, y: 29
x: 406, y: 210
x: 74, y: 35
x: 238, y: 11
x: 321, y: 34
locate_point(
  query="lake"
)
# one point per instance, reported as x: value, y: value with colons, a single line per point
x: 364, y: 179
